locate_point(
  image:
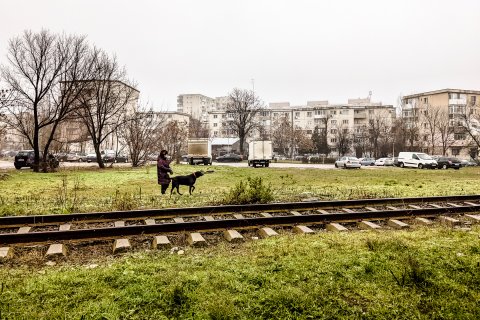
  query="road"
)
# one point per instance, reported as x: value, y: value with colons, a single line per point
x: 9, y: 165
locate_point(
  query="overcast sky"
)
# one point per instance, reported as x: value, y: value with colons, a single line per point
x: 294, y: 50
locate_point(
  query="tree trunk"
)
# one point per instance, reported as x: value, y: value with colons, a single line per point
x: 101, y: 165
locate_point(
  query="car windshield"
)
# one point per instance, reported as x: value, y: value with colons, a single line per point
x: 23, y: 153
x: 352, y: 158
x: 424, y: 156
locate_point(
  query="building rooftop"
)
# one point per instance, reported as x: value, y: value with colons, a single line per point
x: 415, y: 95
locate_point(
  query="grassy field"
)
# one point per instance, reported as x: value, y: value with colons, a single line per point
x: 87, y: 190
x: 423, y: 273
x: 420, y: 274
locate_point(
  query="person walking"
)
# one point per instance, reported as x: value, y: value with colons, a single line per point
x: 163, y: 168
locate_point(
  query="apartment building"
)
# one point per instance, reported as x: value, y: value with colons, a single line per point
x: 354, y: 117
x: 428, y: 111
x: 197, y: 105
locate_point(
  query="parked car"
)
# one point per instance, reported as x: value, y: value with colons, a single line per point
x: 384, y: 162
x: 111, y: 157
x: 347, y: 162
x: 8, y: 153
x: 91, y: 157
x: 72, y: 157
x: 230, y: 157
x: 26, y: 158
x: 468, y: 163
x: 367, y: 161
x: 61, y: 156
x: 448, y: 162
x: 121, y: 158
x: 82, y: 158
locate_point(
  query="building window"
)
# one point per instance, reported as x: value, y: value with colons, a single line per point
x: 297, y: 114
x: 474, y: 100
x: 309, y: 114
x: 333, y: 131
x: 309, y: 131
x: 333, y: 112
x: 333, y: 140
x: 345, y: 121
x: 214, y: 116
x: 333, y: 121
x: 319, y: 112
x: 345, y: 130
x: 459, y: 136
x: 455, y: 151
x: 169, y: 115
x: 425, y: 100
x: 215, y: 124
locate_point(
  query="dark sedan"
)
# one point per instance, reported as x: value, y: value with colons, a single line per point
x: 229, y: 158
x: 449, y: 162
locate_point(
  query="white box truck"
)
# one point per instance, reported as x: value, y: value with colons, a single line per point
x: 260, y: 153
x: 199, y: 151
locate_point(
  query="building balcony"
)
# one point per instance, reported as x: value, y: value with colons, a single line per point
x: 457, y: 101
x: 360, y: 115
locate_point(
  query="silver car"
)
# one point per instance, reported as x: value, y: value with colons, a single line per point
x: 347, y: 162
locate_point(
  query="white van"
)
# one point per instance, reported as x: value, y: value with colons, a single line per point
x: 418, y: 160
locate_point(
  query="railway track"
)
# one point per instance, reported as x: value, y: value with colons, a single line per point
x: 58, y: 230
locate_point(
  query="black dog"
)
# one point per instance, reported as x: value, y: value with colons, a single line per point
x: 186, y: 181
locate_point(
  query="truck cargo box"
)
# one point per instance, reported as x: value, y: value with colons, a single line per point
x: 199, y: 151
x: 260, y: 153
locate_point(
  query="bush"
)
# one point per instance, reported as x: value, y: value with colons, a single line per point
x: 251, y: 191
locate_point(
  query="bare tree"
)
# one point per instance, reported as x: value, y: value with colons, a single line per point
x: 445, y: 131
x: 320, y: 135
x: 263, y: 132
x: 281, y: 134
x: 301, y: 141
x: 174, y: 138
x: 141, y: 134
x: 379, y: 128
x: 107, y: 101
x: 344, y: 140
x: 36, y: 62
x: 469, y: 120
x: 241, y: 109
x: 362, y: 141
x: 430, y: 117
x: 197, y: 129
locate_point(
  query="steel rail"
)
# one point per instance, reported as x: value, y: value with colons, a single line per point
x: 135, y: 230
x: 15, y: 221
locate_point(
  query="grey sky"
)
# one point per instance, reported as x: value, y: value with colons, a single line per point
x: 295, y: 50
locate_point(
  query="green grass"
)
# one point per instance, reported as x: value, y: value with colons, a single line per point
x: 421, y: 274
x: 417, y: 274
x: 86, y: 190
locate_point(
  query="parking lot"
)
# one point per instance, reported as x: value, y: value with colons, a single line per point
x: 8, y: 164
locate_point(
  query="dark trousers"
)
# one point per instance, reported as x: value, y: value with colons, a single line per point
x: 164, y: 187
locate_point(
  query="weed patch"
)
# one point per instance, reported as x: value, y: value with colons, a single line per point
x: 251, y: 191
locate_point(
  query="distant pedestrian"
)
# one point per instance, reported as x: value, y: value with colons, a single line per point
x: 163, y: 169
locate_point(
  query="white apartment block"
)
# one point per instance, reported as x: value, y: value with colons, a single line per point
x: 196, y: 105
x: 454, y: 103
x: 353, y: 116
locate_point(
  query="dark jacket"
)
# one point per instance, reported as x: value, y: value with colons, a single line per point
x: 163, y: 168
